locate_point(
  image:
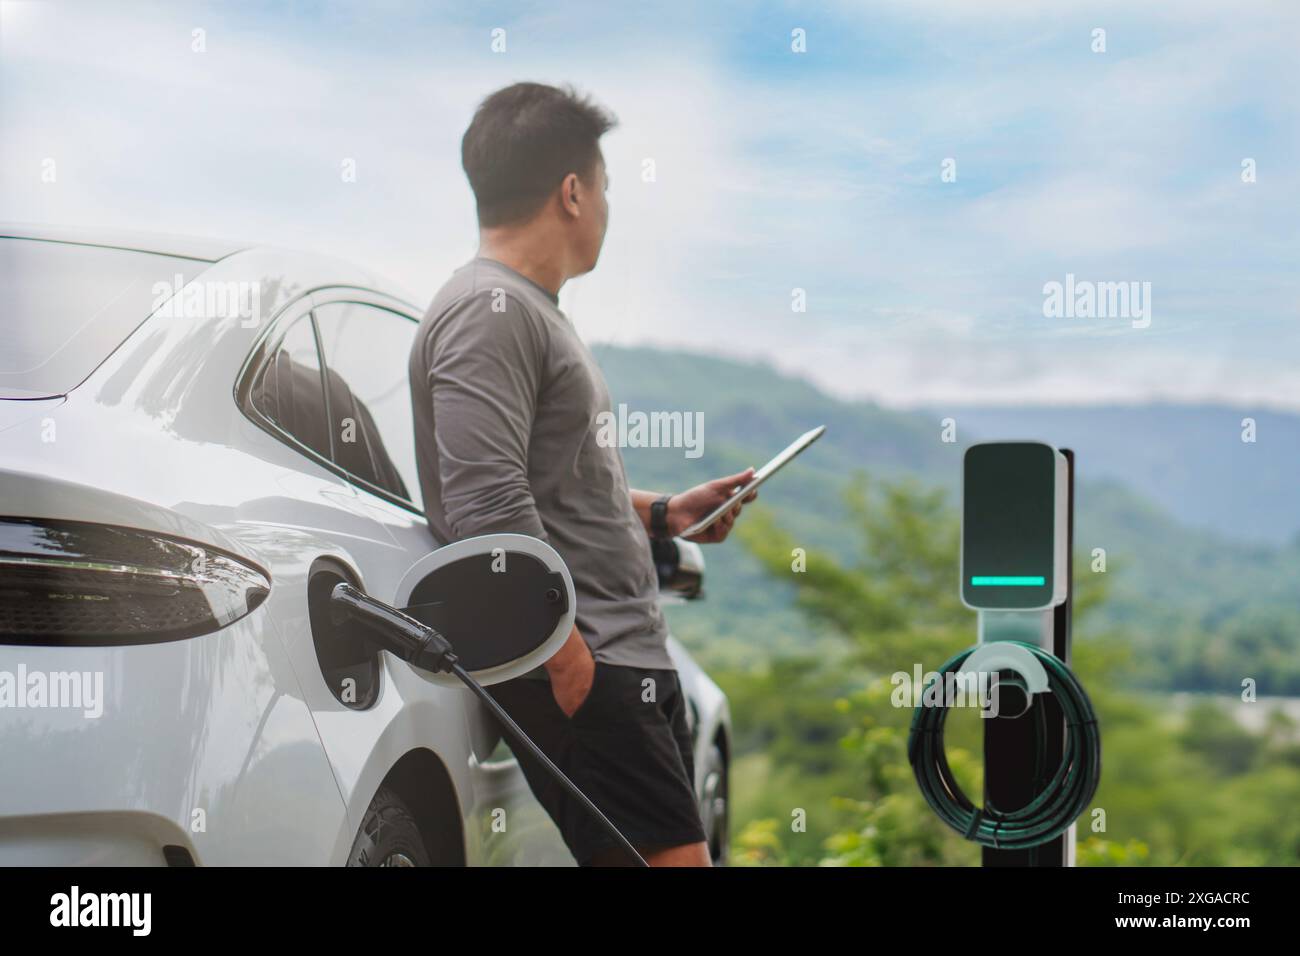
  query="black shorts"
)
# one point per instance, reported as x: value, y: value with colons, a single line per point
x: 627, y: 747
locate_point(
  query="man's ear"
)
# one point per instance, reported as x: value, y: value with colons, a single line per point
x: 570, y: 194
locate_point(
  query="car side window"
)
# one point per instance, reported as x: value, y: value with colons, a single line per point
x: 289, y: 391
x: 366, y: 351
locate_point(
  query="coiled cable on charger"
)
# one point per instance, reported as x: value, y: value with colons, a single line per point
x: 1057, y: 804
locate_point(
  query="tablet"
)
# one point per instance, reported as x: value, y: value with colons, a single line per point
x: 760, y: 476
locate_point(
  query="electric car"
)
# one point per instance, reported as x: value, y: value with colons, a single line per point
x: 177, y: 502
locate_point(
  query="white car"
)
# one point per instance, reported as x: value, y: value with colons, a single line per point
x: 174, y: 512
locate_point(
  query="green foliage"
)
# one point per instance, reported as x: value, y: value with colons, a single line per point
x: 1095, y: 851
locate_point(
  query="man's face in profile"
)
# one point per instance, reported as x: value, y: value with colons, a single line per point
x: 595, y: 216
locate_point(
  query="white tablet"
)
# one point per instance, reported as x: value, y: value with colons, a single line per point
x: 760, y: 476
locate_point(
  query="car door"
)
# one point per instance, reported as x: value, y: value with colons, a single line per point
x: 366, y: 340
x: 363, y: 703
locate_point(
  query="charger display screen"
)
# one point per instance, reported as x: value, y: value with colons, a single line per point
x: 1008, y: 525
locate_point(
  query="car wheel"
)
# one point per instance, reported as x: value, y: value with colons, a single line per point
x: 388, y: 836
x: 714, y: 808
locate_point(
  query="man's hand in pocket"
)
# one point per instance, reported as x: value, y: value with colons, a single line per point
x: 572, y: 671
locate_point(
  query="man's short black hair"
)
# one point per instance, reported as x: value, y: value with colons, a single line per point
x: 523, y: 141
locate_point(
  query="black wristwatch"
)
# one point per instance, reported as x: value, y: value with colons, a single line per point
x: 659, y: 517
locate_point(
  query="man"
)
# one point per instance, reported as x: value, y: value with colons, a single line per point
x: 507, y: 399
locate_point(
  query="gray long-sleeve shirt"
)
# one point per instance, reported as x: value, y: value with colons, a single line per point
x: 506, y: 398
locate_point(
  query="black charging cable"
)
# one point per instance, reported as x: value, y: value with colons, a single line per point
x: 425, y: 648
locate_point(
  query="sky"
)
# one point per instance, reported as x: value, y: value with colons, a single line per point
x: 780, y: 177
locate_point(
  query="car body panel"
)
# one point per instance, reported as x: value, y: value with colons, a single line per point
x: 203, y: 743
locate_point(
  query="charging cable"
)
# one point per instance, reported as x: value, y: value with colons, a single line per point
x: 1056, y: 805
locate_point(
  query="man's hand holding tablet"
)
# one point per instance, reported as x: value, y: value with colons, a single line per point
x: 706, y: 512
x: 686, y: 507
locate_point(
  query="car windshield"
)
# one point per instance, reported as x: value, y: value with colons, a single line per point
x: 65, y: 307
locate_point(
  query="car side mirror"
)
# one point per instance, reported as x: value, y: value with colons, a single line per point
x: 505, y: 602
x: 680, y: 566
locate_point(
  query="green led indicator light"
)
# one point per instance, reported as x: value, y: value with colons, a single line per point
x: 1007, y: 581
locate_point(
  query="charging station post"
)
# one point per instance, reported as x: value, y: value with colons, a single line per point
x: 1016, y: 564
x: 1042, y: 761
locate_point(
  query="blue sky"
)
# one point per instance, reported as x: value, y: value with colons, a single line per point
x: 774, y: 170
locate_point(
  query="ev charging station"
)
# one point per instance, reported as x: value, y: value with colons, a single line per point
x: 1017, y: 533
x: 1042, y: 748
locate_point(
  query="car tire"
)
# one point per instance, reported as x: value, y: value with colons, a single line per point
x: 715, y: 806
x: 389, y: 835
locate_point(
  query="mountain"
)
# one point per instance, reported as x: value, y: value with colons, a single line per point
x: 1204, y: 602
